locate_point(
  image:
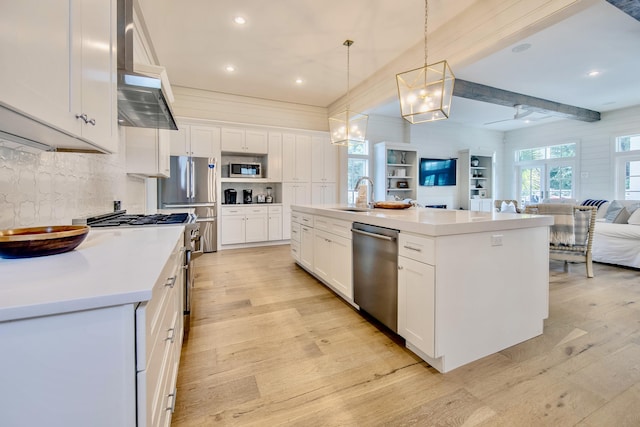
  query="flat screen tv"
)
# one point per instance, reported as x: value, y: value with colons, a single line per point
x: 435, y: 172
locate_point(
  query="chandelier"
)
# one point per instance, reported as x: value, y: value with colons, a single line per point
x: 348, y: 127
x: 425, y: 93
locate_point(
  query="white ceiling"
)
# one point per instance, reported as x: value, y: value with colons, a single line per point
x: 288, y: 39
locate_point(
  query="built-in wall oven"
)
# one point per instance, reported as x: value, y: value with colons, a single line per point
x: 193, y: 247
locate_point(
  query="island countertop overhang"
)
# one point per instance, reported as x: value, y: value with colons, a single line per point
x: 429, y: 221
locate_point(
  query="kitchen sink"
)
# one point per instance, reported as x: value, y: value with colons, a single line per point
x: 352, y: 209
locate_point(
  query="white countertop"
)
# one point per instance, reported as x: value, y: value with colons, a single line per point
x: 431, y: 222
x: 111, y: 267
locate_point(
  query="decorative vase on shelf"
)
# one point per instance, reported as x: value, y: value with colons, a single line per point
x: 403, y: 157
x: 391, y: 157
x: 475, y: 162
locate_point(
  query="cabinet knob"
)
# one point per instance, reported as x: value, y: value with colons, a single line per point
x: 92, y: 122
x: 400, y: 267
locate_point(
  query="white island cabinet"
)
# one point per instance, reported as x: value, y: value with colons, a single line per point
x: 469, y: 283
x: 92, y: 337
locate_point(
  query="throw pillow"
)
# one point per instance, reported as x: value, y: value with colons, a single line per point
x: 613, y: 210
x: 622, y: 217
x: 593, y: 202
x: 634, y: 218
x: 508, y: 207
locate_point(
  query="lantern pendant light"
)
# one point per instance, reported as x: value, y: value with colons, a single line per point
x: 425, y: 93
x: 348, y: 127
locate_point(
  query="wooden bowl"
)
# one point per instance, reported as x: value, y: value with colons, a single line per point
x: 41, y: 241
x: 392, y: 205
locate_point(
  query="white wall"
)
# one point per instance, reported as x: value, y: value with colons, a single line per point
x: 595, y: 164
x: 444, y: 139
x: 43, y: 188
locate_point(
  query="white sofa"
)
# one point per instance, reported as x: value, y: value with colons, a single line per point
x: 616, y: 239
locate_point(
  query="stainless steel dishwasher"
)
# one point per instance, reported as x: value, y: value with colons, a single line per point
x: 375, y: 272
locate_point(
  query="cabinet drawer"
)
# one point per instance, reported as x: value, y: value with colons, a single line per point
x: 296, y: 217
x: 155, y: 383
x: 252, y: 210
x: 295, y: 232
x: 306, y: 219
x: 295, y: 250
x: 275, y: 209
x: 418, y: 248
x: 232, y: 210
x: 336, y: 226
x: 151, y: 314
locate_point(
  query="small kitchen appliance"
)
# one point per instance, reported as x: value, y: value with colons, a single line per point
x: 269, y: 197
x: 230, y: 196
x: 245, y: 170
x: 247, y: 196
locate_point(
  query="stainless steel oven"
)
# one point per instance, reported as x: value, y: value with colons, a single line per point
x: 193, y: 249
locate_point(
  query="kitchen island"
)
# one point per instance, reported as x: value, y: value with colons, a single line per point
x: 469, y: 283
x: 92, y: 336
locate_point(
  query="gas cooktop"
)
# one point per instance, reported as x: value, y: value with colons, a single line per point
x: 122, y: 219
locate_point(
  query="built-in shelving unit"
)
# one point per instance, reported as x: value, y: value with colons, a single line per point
x: 395, y: 171
x: 476, y: 180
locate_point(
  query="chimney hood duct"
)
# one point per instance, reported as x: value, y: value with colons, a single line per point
x: 144, y: 93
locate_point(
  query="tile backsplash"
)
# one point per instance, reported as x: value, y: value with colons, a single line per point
x: 48, y: 188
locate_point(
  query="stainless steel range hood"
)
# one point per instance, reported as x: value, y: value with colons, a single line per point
x: 144, y: 93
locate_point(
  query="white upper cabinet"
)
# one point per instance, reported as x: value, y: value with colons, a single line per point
x: 59, y: 73
x: 245, y: 141
x: 296, y: 158
x: 196, y: 141
x: 148, y: 152
x: 324, y: 160
x: 274, y: 160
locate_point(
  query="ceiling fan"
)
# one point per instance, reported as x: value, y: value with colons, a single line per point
x: 520, y: 113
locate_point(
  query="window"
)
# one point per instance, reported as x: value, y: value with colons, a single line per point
x: 546, y: 172
x: 628, y: 167
x: 357, y: 166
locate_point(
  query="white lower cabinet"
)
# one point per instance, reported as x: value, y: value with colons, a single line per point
x: 275, y: 222
x: 332, y: 262
x: 244, y: 224
x: 416, y: 292
x: 306, y: 246
x: 108, y: 366
x: 482, y: 205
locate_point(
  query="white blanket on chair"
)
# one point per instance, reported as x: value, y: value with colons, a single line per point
x: 562, y: 230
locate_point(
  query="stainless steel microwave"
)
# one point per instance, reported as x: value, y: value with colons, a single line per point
x: 245, y: 170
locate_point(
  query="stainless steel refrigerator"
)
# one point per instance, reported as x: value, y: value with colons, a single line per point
x: 193, y: 185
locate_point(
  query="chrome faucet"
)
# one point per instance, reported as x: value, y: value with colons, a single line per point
x: 370, y: 202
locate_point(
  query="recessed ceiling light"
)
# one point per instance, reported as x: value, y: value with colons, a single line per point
x: 593, y: 73
x: 239, y: 20
x: 521, y: 47
x: 229, y: 68
x: 299, y: 81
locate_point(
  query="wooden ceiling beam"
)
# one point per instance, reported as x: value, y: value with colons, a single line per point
x: 492, y: 95
x: 630, y: 7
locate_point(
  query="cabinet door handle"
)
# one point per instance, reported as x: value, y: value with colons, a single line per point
x: 171, y: 335
x: 92, y: 122
x: 412, y: 249
x: 171, y: 281
x: 400, y: 267
x: 172, y: 396
x: 83, y: 117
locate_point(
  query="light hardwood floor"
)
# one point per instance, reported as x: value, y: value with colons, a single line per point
x: 270, y: 345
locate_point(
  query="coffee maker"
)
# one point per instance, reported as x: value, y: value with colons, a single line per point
x: 247, y: 196
x: 230, y: 196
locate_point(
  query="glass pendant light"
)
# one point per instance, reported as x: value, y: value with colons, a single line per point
x: 425, y: 93
x: 348, y: 127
